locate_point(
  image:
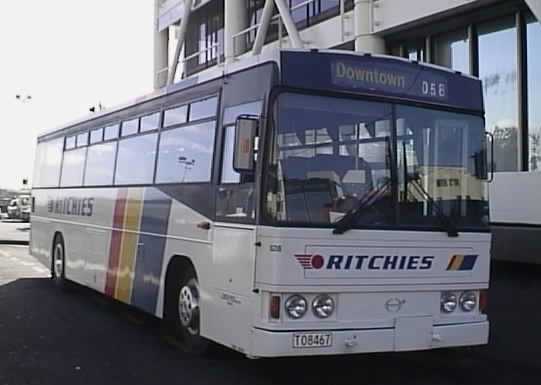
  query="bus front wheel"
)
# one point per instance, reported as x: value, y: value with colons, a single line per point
x: 182, y: 312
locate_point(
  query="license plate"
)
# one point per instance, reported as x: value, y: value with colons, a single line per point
x: 312, y: 340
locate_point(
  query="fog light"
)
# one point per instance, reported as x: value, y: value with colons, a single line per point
x: 296, y: 306
x: 448, y: 302
x: 468, y: 301
x: 323, y: 306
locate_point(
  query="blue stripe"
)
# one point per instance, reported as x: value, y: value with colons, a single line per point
x: 150, y: 254
x: 469, y: 262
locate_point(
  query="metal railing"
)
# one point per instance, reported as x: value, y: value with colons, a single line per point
x: 183, y: 61
x: 276, y: 19
x: 247, y: 45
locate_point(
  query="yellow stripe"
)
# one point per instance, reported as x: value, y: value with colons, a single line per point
x: 128, y: 247
x: 457, y: 262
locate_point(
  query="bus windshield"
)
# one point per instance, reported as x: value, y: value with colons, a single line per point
x: 397, y: 165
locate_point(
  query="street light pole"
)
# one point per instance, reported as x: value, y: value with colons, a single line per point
x: 23, y: 99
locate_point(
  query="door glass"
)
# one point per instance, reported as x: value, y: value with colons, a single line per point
x: 235, y: 197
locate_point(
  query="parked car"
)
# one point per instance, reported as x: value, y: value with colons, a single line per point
x: 19, y: 208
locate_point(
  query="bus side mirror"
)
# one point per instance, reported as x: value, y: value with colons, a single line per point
x: 246, y: 128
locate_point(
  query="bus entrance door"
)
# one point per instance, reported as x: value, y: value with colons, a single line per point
x: 233, y: 266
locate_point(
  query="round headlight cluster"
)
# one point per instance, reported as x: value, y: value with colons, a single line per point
x: 449, y: 302
x: 468, y: 301
x: 296, y: 306
x: 323, y: 306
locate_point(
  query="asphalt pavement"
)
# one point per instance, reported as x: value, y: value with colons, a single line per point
x: 49, y: 336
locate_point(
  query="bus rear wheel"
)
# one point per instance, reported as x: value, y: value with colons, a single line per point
x: 182, y: 312
x: 58, y: 268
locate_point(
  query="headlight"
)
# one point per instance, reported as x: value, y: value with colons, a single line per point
x: 468, y: 301
x: 296, y: 306
x: 448, y: 302
x: 323, y: 306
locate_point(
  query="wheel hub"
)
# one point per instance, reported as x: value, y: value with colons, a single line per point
x: 188, y: 308
x: 58, y: 261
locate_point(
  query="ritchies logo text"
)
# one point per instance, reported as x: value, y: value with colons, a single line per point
x: 365, y: 262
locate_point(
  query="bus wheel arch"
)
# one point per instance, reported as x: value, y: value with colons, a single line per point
x: 181, y: 312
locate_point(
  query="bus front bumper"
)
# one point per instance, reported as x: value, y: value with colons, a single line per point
x: 408, y: 337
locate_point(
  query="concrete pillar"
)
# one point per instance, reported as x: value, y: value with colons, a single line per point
x: 291, y: 28
x: 266, y: 17
x: 236, y: 20
x: 161, y: 50
x: 181, y: 41
x: 366, y: 41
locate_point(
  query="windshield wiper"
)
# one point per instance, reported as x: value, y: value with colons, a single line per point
x: 347, y: 221
x: 447, y: 223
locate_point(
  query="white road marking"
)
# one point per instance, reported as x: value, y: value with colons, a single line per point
x: 4, y: 254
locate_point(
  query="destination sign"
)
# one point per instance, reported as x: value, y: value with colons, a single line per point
x: 381, y: 77
x: 385, y: 77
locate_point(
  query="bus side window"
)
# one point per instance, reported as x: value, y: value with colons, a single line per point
x: 48, y: 163
x: 73, y: 168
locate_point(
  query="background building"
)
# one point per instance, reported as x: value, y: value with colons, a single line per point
x: 496, y: 40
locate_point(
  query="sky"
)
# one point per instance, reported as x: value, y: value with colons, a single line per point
x: 68, y: 55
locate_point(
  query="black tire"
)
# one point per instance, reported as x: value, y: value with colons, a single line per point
x: 58, y: 262
x: 180, y: 332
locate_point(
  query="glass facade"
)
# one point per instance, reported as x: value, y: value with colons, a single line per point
x: 533, y: 32
x: 416, y: 50
x: 498, y: 71
x: 489, y: 48
x: 205, y: 37
x: 453, y: 50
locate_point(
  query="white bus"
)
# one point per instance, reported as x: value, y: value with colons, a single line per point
x: 322, y: 202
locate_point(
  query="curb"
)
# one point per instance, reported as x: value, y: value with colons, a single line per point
x: 14, y: 243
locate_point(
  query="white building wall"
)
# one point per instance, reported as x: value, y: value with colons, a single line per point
x: 390, y: 14
x: 515, y: 198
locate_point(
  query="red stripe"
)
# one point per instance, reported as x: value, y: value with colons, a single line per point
x: 116, y: 238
